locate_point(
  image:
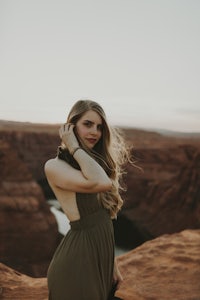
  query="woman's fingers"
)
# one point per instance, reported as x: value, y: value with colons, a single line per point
x: 66, y: 128
x: 68, y: 137
x: 71, y: 127
x: 62, y: 130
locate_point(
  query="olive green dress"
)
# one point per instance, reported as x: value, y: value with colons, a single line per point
x: 82, y: 266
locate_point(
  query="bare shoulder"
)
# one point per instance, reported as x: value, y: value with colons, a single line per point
x: 53, y: 164
x: 49, y: 164
x: 57, y: 170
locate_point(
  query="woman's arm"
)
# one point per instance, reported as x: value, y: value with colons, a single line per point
x: 90, y: 179
x: 117, y: 276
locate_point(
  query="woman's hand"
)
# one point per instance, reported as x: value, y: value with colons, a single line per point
x: 117, y: 276
x: 68, y: 137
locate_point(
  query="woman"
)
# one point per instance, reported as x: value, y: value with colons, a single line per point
x: 85, y: 179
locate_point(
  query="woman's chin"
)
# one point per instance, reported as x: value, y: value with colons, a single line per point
x: 89, y: 146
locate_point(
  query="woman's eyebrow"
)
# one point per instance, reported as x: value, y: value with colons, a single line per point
x: 91, y: 122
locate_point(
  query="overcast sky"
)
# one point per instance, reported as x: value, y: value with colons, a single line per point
x: 140, y: 59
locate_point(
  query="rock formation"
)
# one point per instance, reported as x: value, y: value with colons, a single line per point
x: 16, y: 286
x: 164, y: 196
x: 28, y: 230
x: 165, y: 268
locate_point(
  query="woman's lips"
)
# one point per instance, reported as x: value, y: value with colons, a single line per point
x: 92, y: 141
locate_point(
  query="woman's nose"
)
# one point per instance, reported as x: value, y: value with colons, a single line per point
x: 94, y: 130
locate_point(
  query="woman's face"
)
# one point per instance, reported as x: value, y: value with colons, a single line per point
x: 89, y: 128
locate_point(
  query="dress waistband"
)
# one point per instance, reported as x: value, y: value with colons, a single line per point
x: 91, y: 220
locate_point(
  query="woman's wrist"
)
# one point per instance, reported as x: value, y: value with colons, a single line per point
x: 74, y: 150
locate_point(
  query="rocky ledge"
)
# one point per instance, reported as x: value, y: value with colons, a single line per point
x: 16, y: 286
x: 165, y: 268
x: 28, y: 230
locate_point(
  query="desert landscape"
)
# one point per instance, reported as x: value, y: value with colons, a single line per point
x: 159, y: 223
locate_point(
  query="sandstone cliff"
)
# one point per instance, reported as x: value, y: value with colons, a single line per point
x: 28, y: 230
x: 165, y: 268
x: 17, y: 286
x: 163, y: 198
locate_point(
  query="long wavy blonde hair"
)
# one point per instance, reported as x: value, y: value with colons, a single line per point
x: 111, y: 152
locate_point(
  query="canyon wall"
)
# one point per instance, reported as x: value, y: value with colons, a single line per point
x: 28, y: 230
x: 163, y: 197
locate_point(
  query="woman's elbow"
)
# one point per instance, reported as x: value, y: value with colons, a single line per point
x: 109, y: 184
x: 105, y: 185
x: 99, y: 186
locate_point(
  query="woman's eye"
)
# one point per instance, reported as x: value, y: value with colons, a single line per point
x: 99, y: 127
x: 88, y: 124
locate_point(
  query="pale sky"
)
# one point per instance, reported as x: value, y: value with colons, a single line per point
x: 140, y: 59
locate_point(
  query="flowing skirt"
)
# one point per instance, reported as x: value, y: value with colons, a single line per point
x: 82, y: 266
